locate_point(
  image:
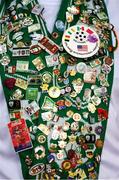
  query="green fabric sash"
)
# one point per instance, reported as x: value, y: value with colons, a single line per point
x: 70, y: 143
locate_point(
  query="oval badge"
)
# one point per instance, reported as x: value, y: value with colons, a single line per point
x: 36, y: 169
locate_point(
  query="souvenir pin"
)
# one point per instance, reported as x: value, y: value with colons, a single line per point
x: 99, y: 130
x: 91, y: 108
x: 32, y: 108
x: 34, y: 80
x: 41, y: 138
x: 28, y: 160
x: 95, y: 100
x: 21, y: 52
x: 70, y: 60
x: 90, y: 138
x: 74, y: 126
x: 10, y: 69
x: 76, y: 117
x: 20, y: 135
x: 46, y: 77
x: 63, y: 135
x: 35, y: 49
x: 102, y: 16
x: 52, y: 60
x: 27, y: 21
x: 31, y: 93
x: 54, y: 92
x: 106, y: 69
x: 60, y: 25
x: 5, y: 60
x: 39, y: 152
x: 81, y: 68
x: 22, y: 66
x: 44, y: 87
x: 44, y: 129
x: 81, y: 41
x: 36, y: 169
x: 10, y: 83
x: 17, y: 34
x: 55, y: 134
x: 34, y: 28
x: 60, y: 154
x: 17, y: 95
x: 48, y: 45
x: 102, y: 91
x: 90, y: 77
x: 81, y: 173
x: 14, y: 104
x: 95, y: 63
x: 20, y: 44
x: 56, y: 118
x: 69, y: 17
x: 74, y: 10
x: 99, y: 143
x: 90, y: 166
x: 48, y: 104
x: 66, y: 165
x: 108, y: 61
x: 66, y: 126
x: 47, y: 116
x: 3, y: 48
x: 21, y: 83
x: 38, y: 63
x: 2, y: 38
x: 87, y: 95
x: 51, y: 158
x: 55, y: 35
x: 62, y: 144
x: 37, y: 9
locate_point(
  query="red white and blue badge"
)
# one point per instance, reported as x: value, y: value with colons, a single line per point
x: 81, y: 41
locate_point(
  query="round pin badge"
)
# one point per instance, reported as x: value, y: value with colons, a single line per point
x: 41, y: 138
x: 60, y: 25
x: 54, y: 92
x: 66, y: 165
x: 76, y: 117
x: 81, y: 41
x: 5, y: 60
x: 81, y: 67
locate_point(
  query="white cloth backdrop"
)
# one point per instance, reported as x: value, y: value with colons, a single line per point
x: 9, y: 160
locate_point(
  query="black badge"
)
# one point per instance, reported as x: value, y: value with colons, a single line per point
x: 14, y: 104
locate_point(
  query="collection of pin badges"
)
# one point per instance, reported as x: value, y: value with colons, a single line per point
x: 57, y: 86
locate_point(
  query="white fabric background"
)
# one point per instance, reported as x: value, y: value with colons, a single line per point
x: 9, y: 161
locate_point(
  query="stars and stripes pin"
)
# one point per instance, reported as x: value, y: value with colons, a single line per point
x: 82, y: 48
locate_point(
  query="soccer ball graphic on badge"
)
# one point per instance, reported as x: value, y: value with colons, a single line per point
x: 81, y: 41
x: 80, y: 37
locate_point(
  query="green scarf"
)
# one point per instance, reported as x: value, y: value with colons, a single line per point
x: 58, y: 104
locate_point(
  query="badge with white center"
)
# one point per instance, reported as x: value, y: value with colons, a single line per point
x: 81, y: 41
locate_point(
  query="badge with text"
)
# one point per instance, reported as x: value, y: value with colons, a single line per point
x: 81, y: 41
x: 20, y: 135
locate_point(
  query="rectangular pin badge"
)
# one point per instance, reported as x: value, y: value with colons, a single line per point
x: 22, y: 52
x: 20, y: 135
x: 48, y: 45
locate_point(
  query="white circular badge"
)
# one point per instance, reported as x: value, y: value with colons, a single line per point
x: 81, y: 41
